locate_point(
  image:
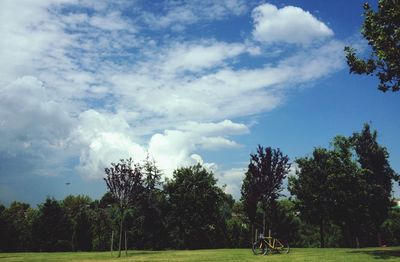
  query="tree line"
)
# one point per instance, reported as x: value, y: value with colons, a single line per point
x: 339, y: 197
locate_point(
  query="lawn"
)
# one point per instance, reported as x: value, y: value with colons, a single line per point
x: 296, y: 254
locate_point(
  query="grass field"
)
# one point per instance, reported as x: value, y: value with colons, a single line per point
x: 296, y: 254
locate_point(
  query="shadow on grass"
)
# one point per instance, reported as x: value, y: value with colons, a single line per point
x: 135, y: 253
x: 380, y: 253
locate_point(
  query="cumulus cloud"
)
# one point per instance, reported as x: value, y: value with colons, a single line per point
x: 105, y: 138
x: 289, y: 24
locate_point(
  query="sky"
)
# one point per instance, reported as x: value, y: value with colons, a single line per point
x: 86, y: 83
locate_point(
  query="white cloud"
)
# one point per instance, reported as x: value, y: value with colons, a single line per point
x: 110, y: 22
x: 224, y: 92
x: 92, y: 86
x: 226, y: 127
x: 175, y: 148
x: 233, y: 179
x: 30, y: 119
x: 34, y: 129
x: 289, y: 24
x: 195, y: 56
x: 179, y: 14
x: 104, y: 138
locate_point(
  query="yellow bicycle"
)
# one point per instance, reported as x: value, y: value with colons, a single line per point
x: 266, y: 245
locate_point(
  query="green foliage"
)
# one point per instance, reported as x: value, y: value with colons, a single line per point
x: 195, y: 218
x: 129, y: 183
x: 313, y: 188
x: 77, y: 210
x: 341, y: 197
x: 377, y: 174
x: 237, y: 227
x: 381, y: 29
x: 348, y: 186
x: 15, y: 232
x: 102, y: 223
x: 52, y: 228
x: 82, y: 235
x: 391, y: 228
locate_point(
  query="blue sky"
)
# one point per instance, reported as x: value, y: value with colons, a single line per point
x: 85, y: 83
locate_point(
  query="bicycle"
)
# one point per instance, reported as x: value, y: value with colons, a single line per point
x: 266, y: 245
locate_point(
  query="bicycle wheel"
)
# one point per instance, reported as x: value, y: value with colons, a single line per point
x: 259, y: 248
x: 285, y: 248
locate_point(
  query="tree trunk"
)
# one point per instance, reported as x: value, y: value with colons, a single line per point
x: 321, y: 233
x: 126, y: 245
x: 112, y: 242
x: 379, y: 238
x: 252, y: 234
x: 263, y: 231
x: 120, y: 236
x: 357, y: 242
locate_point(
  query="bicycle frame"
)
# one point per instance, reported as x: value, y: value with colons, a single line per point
x: 273, y: 243
x: 265, y: 245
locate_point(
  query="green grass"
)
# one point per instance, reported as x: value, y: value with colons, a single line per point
x: 296, y: 254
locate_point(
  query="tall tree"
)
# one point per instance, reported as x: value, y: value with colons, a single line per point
x: 82, y: 233
x: 15, y: 227
x: 151, y: 208
x: 347, y: 192
x: 377, y: 174
x: 381, y: 29
x: 101, y: 222
x: 311, y: 186
x: 195, y: 217
x: 52, y: 228
x: 125, y: 182
x: 77, y: 210
x: 263, y: 182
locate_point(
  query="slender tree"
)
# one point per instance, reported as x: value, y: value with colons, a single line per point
x: 263, y: 182
x: 125, y: 182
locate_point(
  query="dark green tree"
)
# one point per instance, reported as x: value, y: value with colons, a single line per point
x: 4, y: 227
x: 102, y: 223
x: 287, y: 223
x: 347, y: 192
x: 381, y: 29
x: 74, y: 204
x: 311, y: 187
x: 77, y: 210
x: 195, y: 217
x: 391, y: 228
x: 150, y: 210
x: 17, y: 217
x: 52, y: 228
x: 82, y: 233
x: 378, y: 176
x: 238, y: 227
